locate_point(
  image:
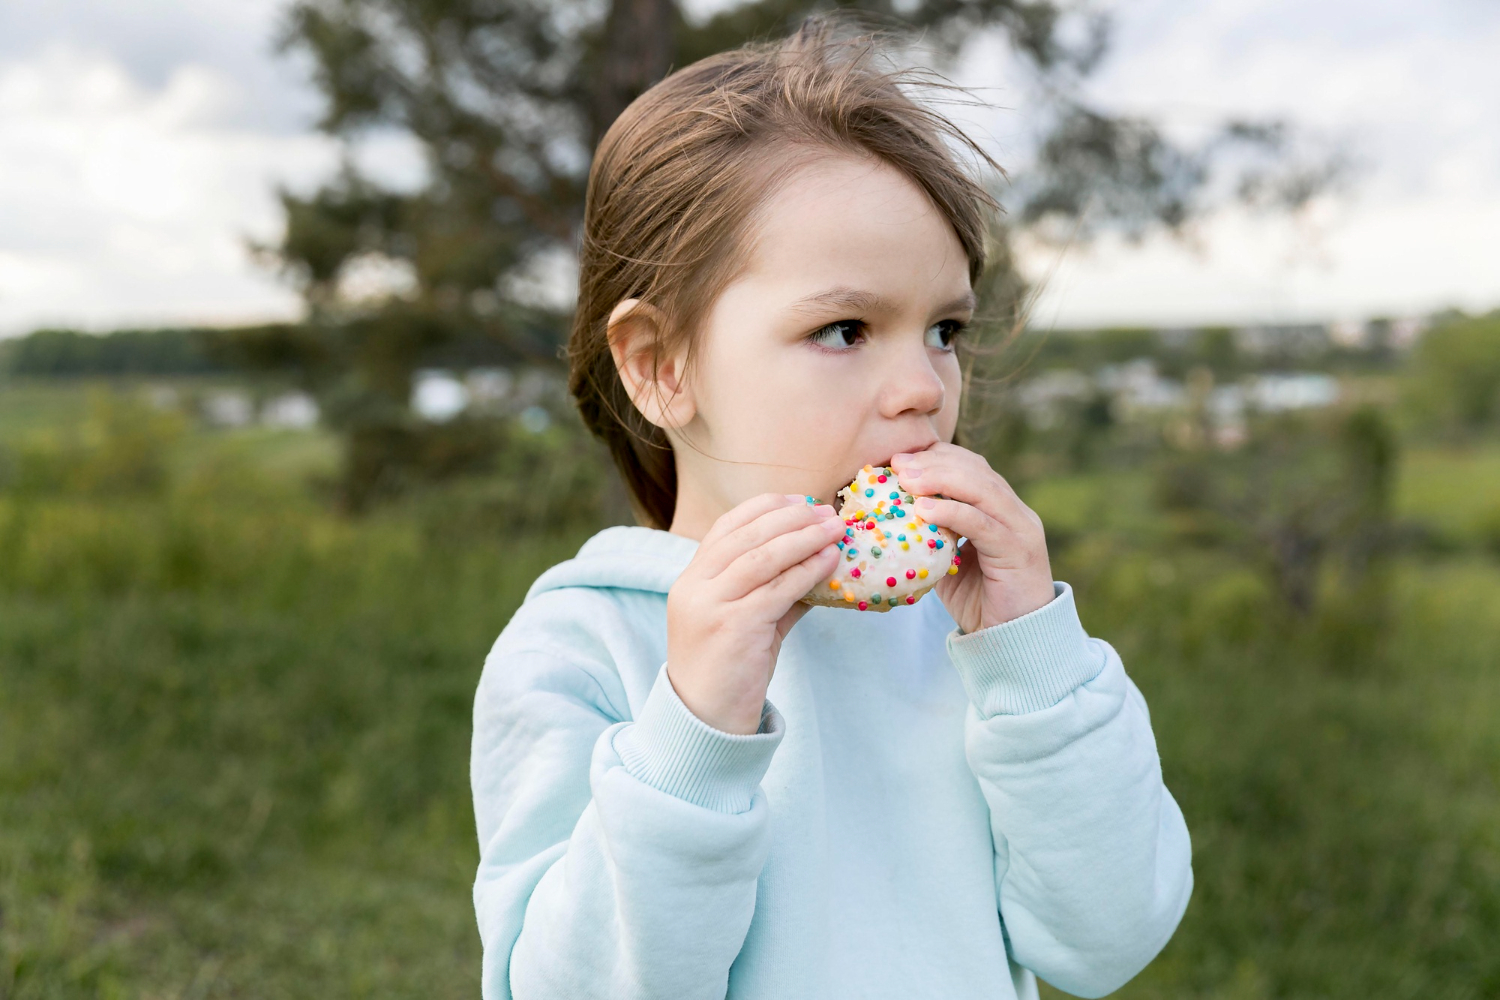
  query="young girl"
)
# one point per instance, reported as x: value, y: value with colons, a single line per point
x: 686, y: 783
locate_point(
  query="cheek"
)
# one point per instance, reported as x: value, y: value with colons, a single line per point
x: 795, y: 405
x: 782, y: 407
x: 953, y: 388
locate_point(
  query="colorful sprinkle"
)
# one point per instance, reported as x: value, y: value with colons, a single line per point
x: 880, y: 479
x: 890, y: 581
x: 900, y: 538
x: 869, y: 493
x: 952, y: 570
x: 833, y: 585
x: 957, y: 560
x: 905, y: 546
x: 922, y: 574
x: 932, y: 543
x: 895, y: 496
x: 911, y: 599
x: 854, y: 572
x: 932, y: 527
x: 911, y: 574
x: 939, y: 543
x: 874, y: 598
x: 849, y: 595
x: 862, y: 605
x: 875, y: 551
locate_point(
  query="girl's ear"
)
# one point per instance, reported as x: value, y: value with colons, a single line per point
x: 656, y: 381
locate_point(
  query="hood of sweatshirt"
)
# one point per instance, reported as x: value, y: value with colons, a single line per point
x: 623, y: 558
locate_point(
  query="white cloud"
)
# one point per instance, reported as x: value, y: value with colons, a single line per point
x: 1414, y: 90
x: 130, y: 204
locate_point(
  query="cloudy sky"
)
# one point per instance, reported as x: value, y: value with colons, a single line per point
x: 141, y: 142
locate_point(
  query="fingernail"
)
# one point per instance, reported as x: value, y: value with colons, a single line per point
x: 926, y: 502
x: 795, y: 497
x: 825, y: 510
x: 911, y: 473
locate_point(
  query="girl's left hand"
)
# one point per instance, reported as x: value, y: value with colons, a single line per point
x: 1005, y: 572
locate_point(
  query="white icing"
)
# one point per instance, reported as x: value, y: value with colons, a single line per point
x: 905, y: 543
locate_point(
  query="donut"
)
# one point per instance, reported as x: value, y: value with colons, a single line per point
x: 890, y: 555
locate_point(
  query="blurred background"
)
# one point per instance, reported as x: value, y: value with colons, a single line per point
x: 282, y: 286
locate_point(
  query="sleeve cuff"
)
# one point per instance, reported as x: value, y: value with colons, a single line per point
x: 1027, y: 664
x: 674, y: 751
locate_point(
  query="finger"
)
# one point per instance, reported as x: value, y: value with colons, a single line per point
x: 968, y: 478
x: 762, y: 564
x: 789, y: 586
x: 773, y: 523
x: 743, y: 514
x: 948, y: 460
x: 986, y: 535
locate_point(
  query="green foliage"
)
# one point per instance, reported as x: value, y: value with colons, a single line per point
x: 1302, y: 489
x: 54, y: 353
x: 119, y: 449
x: 1455, y: 382
x: 233, y: 728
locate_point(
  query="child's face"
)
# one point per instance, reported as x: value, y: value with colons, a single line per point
x: 833, y: 349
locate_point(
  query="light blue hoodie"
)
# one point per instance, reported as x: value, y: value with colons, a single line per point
x: 922, y: 814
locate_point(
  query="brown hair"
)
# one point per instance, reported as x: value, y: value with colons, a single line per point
x: 677, y: 177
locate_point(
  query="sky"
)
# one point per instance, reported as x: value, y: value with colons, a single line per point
x: 142, y: 143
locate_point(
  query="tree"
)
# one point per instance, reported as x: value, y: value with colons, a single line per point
x: 1304, y: 492
x: 1455, y: 375
x: 507, y: 98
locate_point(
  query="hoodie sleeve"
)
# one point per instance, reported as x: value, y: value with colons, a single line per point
x: 618, y: 858
x: 1092, y: 858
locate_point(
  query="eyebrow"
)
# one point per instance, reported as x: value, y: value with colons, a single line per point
x: 863, y: 301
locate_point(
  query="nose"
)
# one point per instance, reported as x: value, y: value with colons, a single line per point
x: 910, y: 386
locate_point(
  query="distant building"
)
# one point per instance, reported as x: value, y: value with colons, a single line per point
x: 1293, y: 391
x: 292, y: 411
x: 228, y: 408
x: 1044, y: 397
x: 1137, y: 387
x: 1295, y: 340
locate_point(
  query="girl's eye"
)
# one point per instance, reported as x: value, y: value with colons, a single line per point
x: 941, y: 335
x: 839, y: 336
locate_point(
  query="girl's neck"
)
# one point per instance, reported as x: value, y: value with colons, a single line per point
x: 693, y: 514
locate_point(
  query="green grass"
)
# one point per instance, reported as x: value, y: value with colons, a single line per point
x: 234, y: 730
x: 249, y: 776
x: 1455, y: 491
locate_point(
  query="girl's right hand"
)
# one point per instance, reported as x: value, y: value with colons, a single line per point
x: 729, y: 610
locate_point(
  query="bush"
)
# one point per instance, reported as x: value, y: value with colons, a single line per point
x: 1454, y: 383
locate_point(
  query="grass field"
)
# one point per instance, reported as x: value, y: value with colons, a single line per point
x: 234, y: 727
